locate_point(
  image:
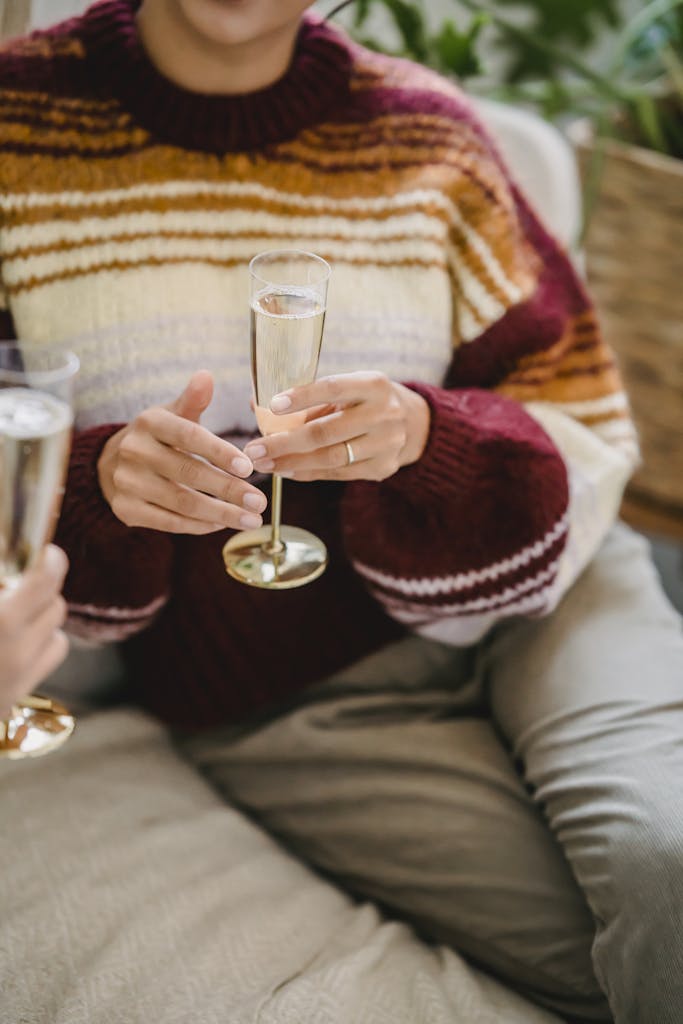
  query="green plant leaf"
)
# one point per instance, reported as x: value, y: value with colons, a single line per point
x: 568, y: 23
x: 456, y: 50
x: 674, y: 67
x: 648, y: 120
x: 410, y: 23
x: 637, y: 27
x: 639, y: 97
x: 362, y: 11
x: 560, y: 57
x: 374, y: 44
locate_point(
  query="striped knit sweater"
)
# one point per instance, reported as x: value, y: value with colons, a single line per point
x: 129, y: 209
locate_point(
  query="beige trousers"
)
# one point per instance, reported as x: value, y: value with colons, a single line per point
x: 520, y: 801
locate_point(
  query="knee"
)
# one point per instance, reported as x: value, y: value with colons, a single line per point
x: 637, y: 954
x: 648, y: 869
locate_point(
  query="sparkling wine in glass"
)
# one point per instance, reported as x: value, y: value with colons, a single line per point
x: 35, y: 437
x: 288, y: 303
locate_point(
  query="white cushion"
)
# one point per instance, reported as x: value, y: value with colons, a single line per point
x: 542, y: 162
x: 132, y: 894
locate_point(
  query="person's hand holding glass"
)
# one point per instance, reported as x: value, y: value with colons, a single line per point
x: 35, y: 434
x: 288, y: 303
x: 32, y: 642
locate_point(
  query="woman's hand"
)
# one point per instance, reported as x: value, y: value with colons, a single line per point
x: 32, y: 643
x: 385, y: 424
x: 166, y: 472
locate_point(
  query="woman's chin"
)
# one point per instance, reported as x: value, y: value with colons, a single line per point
x: 238, y: 22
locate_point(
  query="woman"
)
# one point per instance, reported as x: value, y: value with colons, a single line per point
x: 469, y: 464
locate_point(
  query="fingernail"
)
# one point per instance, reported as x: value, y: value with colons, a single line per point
x: 241, y: 466
x: 280, y: 403
x: 255, y: 451
x: 264, y: 465
x: 257, y: 502
x: 250, y: 522
x: 55, y: 561
x: 288, y: 474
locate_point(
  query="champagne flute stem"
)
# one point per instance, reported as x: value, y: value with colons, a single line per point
x: 275, y: 545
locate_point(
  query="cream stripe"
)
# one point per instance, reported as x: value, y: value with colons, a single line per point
x: 197, y: 188
x: 160, y: 383
x: 614, y: 430
x: 216, y: 222
x: 430, y: 586
x: 485, y: 254
x: 163, y: 382
x: 94, y: 632
x: 115, y: 613
x: 218, y: 291
x: 34, y: 268
x: 485, y: 304
x: 616, y: 402
x: 229, y: 350
x: 478, y: 604
x: 468, y: 326
x: 325, y: 204
x: 222, y: 335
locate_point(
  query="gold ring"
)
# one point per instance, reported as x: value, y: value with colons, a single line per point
x: 350, y: 455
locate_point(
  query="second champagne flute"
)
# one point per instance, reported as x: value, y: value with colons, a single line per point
x: 288, y: 303
x: 36, y: 390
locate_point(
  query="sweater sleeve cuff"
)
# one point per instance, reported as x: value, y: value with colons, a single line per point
x: 83, y: 499
x: 448, y: 451
x: 119, y: 575
x: 87, y: 522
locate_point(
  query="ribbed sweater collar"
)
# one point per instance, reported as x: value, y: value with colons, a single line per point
x: 316, y: 82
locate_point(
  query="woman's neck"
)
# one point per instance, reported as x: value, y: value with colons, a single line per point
x: 193, y: 62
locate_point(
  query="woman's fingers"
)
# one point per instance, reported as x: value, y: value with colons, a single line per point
x: 319, y: 433
x: 134, y: 511
x: 165, y: 471
x: 177, y: 432
x: 37, y: 590
x: 375, y: 457
x: 36, y: 647
x: 38, y: 634
x: 190, y: 504
x: 340, y: 389
x: 150, y: 456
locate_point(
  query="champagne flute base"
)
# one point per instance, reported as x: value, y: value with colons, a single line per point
x: 248, y: 558
x: 37, y: 726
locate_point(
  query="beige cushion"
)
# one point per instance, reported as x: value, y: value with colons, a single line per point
x: 131, y: 894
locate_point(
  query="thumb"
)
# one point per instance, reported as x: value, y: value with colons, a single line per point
x: 55, y: 563
x: 195, y: 398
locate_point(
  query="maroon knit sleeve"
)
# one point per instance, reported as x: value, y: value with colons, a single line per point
x: 471, y: 532
x: 118, y: 577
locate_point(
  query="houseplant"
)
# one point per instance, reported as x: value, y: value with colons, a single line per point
x: 627, y: 127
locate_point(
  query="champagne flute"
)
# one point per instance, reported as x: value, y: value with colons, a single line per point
x: 288, y: 303
x: 35, y: 436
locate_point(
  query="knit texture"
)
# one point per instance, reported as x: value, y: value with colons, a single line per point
x: 129, y: 211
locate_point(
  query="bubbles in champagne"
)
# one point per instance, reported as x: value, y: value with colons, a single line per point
x: 25, y: 413
x: 286, y: 333
x: 35, y: 430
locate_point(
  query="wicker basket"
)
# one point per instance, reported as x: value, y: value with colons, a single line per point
x: 634, y: 262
